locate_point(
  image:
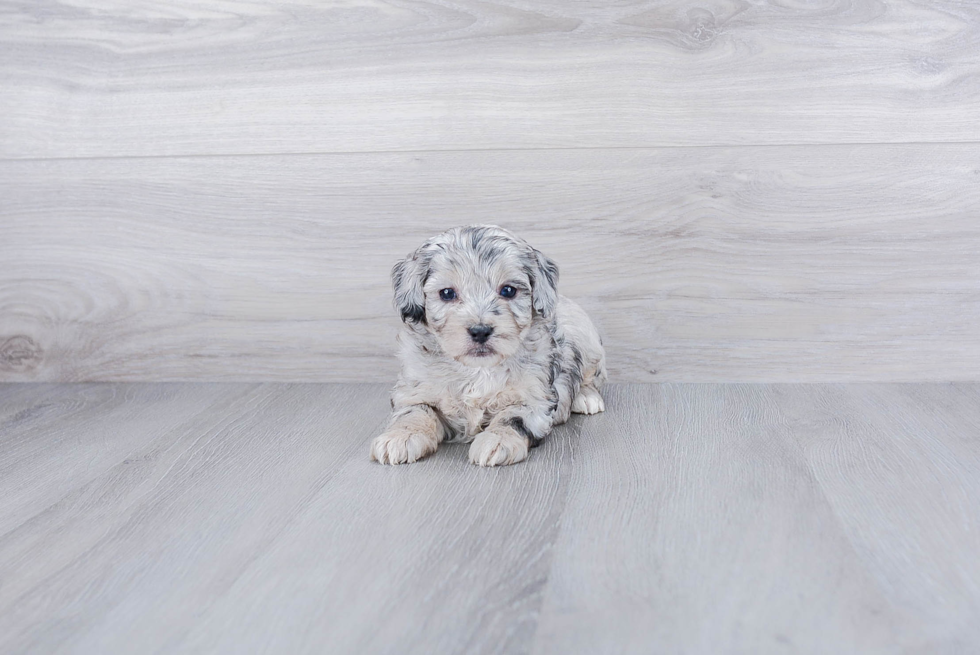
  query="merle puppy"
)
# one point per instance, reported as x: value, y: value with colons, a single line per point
x: 490, y: 353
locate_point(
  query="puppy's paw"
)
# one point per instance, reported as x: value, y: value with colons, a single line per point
x: 492, y: 449
x: 588, y: 401
x: 401, y: 446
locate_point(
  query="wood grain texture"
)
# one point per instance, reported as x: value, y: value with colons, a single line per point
x: 443, y: 557
x: 266, y: 512
x: 699, y: 264
x: 915, y: 451
x: 85, y: 79
x: 123, y: 560
x: 771, y: 519
x: 246, y: 518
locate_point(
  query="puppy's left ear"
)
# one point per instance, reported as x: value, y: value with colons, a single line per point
x: 544, y: 284
x: 408, y: 277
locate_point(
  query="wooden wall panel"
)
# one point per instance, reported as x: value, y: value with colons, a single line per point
x: 86, y: 79
x: 708, y: 264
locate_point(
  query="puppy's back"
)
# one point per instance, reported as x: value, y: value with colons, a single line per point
x: 578, y: 329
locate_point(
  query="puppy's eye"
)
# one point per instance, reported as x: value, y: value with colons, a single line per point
x: 448, y: 294
x: 508, y: 291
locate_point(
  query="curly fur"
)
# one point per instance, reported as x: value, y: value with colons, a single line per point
x: 542, y: 361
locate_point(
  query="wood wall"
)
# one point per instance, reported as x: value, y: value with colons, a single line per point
x: 737, y: 191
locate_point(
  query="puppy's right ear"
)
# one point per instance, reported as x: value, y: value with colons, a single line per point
x: 408, y: 277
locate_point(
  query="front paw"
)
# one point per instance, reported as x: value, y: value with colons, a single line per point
x: 588, y: 401
x: 400, y: 446
x: 492, y: 449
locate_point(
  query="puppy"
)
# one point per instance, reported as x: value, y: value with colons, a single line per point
x: 490, y: 353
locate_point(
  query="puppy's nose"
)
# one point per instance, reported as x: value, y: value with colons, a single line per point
x: 480, y: 333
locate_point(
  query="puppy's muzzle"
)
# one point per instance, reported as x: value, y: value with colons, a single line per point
x: 480, y: 333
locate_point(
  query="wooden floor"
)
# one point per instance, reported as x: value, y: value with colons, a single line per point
x: 237, y: 518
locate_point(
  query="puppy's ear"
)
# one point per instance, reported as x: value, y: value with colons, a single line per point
x: 408, y: 277
x: 544, y: 284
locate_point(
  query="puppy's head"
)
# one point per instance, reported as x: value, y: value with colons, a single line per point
x: 477, y: 289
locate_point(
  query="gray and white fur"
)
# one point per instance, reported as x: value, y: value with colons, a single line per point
x: 490, y: 353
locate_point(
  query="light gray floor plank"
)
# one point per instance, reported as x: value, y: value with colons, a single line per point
x: 696, y: 524
x: 86, y: 79
x: 126, y: 561
x: 23, y: 402
x: 69, y: 436
x: 439, y: 557
x: 715, y: 264
x: 686, y: 518
x: 901, y: 468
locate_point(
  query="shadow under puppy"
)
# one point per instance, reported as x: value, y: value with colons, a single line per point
x: 490, y: 353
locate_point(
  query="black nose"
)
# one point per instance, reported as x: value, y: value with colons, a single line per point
x: 480, y: 333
